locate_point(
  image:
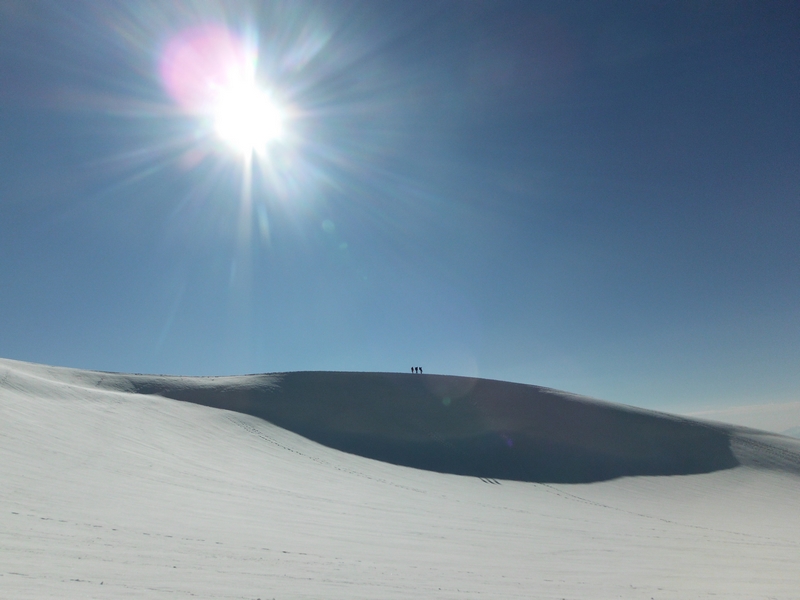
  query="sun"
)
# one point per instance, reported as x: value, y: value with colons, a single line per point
x: 247, y: 119
x: 212, y: 73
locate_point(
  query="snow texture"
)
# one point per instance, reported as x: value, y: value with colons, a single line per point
x: 111, y: 492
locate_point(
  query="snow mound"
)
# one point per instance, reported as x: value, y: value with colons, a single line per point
x: 109, y: 492
x: 464, y: 426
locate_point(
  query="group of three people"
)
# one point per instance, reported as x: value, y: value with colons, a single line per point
x: 416, y: 369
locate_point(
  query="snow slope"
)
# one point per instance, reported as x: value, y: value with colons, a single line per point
x: 108, y: 492
x: 781, y: 417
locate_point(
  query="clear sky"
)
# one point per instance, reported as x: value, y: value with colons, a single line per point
x: 601, y: 197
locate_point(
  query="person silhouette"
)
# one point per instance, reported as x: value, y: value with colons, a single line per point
x: 420, y: 369
x: 413, y: 369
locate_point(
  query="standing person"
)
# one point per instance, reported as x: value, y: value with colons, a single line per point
x: 420, y: 369
x: 413, y: 369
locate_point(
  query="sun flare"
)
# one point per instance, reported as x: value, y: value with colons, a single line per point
x: 212, y: 73
x: 247, y: 119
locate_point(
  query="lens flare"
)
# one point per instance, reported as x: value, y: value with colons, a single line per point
x: 201, y: 62
x: 211, y: 73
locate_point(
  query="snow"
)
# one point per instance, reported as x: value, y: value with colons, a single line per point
x: 110, y: 493
x: 780, y: 417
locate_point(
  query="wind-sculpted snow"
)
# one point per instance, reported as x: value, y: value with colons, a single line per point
x: 463, y: 426
x: 458, y: 425
x: 110, y: 492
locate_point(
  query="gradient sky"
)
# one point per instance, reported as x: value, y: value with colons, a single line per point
x: 601, y: 197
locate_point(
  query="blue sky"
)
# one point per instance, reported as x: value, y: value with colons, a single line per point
x: 601, y: 197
